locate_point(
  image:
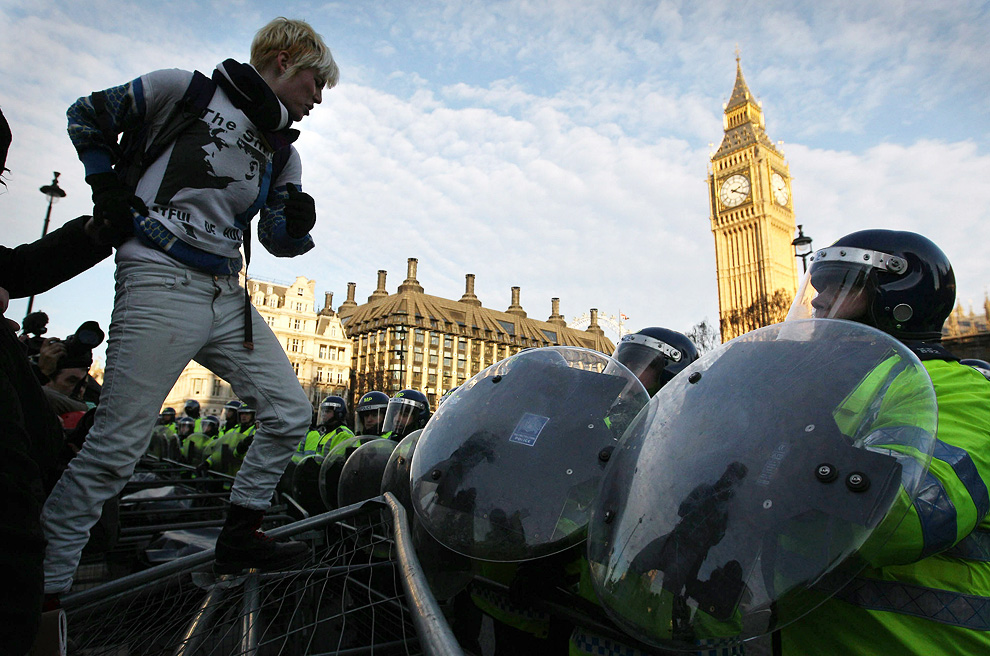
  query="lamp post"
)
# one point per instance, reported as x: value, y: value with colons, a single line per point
x: 802, y: 247
x: 54, y: 193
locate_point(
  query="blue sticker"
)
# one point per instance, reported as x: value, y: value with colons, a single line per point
x: 528, y: 429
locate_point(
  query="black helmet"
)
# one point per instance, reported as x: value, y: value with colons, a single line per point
x: 192, y: 408
x: 333, y: 409
x: 655, y: 355
x: 898, y: 282
x: 211, y: 425
x: 447, y: 395
x: 369, y: 414
x: 408, y: 410
x: 168, y: 415
x: 186, y: 426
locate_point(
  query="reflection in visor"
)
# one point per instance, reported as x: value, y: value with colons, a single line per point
x: 370, y: 420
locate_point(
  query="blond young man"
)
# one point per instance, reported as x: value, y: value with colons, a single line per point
x: 177, y: 235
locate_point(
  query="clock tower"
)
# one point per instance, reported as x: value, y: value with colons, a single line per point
x: 749, y: 190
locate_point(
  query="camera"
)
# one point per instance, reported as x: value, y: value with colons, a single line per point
x: 79, y: 345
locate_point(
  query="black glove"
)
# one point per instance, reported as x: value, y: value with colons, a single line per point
x: 300, y: 212
x: 243, y: 446
x: 112, y: 208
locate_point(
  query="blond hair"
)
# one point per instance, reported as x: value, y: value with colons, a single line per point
x: 305, y: 47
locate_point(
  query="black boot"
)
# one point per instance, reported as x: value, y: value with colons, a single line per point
x: 242, y: 545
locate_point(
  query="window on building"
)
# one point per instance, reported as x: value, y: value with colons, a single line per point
x: 270, y: 321
x: 420, y: 337
x: 295, y: 367
x: 340, y: 376
x: 298, y: 324
x: 299, y: 292
x: 432, y: 379
x: 447, y: 362
x: 434, y: 340
x: 294, y: 345
x: 197, y: 386
x: 299, y: 307
x: 217, y: 386
x: 319, y: 374
x: 418, y: 357
x: 323, y: 351
x: 433, y: 359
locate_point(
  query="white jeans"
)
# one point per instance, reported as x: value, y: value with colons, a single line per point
x: 163, y: 317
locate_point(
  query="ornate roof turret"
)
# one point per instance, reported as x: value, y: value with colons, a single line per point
x: 743, y: 121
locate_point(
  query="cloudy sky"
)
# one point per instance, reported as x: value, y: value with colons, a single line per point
x: 561, y: 146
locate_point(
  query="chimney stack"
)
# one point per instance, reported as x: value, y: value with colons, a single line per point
x: 410, y: 284
x: 348, y: 306
x: 469, y: 296
x: 380, y: 290
x: 515, y: 308
x: 555, y: 316
x: 594, y: 327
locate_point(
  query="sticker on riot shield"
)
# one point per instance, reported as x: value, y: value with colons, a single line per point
x: 528, y: 430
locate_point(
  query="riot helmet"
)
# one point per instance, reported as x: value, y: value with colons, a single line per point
x: 333, y: 411
x: 211, y: 425
x: 186, y: 426
x: 167, y: 416
x: 655, y: 355
x: 245, y: 416
x: 369, y: 415
x: 446, y: 395
x: 230, y: 410
x: 408, y: 410
x: 898, y: 282
x: 192, y: 408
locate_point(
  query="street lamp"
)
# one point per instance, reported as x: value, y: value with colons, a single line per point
x: 54, y: 193
x: 802, y: 247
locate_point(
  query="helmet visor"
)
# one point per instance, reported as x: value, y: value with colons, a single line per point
x: 369, y: 420
x: 839, y: 284
x: 646, y: 357
x: 327, y: 412
x: 401, y: 417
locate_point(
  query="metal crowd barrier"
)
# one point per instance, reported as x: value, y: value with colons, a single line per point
x: 362, y: 591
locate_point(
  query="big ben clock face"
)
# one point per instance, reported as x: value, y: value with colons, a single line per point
x: 734, y: 190
x: 779, y: 187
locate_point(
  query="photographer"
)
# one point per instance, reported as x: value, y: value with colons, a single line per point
x: 69, y: 375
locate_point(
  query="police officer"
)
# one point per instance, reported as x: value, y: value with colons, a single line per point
x: 329, y: 431
x: 369, y: 414
x: 407, y: 411
x: 923, y: 590
x: 230, y: 419
x: 167, y: 419
x: 192, y: 410
x: 194, y: 445
x: 655, y: 355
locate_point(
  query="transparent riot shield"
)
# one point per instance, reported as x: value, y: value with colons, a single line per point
x: 333, y: 464
x: 508, y: 467
x: 361, y: 476
x: 757, y: 480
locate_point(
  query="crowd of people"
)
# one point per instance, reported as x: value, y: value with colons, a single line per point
x: 174, y: 198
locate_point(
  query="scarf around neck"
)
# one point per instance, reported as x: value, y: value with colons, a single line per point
x: 249, y: 92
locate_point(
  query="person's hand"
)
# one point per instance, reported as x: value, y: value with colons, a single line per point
x: 300, y: 212
x: 113, y: 209
x: 51, y: 351
x: 4, y: 302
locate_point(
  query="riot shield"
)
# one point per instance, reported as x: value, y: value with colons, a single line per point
x: 764, y: 470
x: 507, y: 468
